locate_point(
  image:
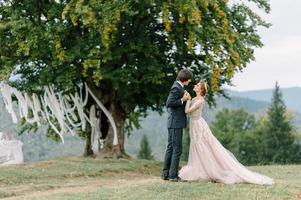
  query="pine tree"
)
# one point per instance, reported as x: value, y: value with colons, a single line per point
x: 145, y: 149
x: 280, y: 145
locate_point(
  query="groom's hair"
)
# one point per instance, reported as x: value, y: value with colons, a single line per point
x: 184, y: 75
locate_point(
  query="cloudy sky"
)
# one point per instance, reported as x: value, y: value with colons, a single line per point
x: 280, y: 58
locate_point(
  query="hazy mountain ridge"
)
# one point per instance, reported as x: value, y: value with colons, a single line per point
x: 291, y: 96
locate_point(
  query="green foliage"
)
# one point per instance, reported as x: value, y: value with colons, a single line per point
x: 145, y: 150
x: 235, y: 130
x: 266, y: 140
x: 229, y: 123
x: 280, y: 144
x: 133, y: 122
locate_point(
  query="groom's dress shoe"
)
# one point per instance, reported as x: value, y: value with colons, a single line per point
x: 165, y: 178
x: 178, y: 179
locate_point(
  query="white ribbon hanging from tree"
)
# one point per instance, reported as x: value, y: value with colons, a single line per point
x: 53, y: 107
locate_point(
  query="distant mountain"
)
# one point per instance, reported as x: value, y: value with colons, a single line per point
x: 292, y: 96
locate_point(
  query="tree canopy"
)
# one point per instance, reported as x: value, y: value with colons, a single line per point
x: 127, y: 51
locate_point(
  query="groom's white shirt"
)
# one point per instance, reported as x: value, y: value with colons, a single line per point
x: 180, y: 83
x: 182, y: 87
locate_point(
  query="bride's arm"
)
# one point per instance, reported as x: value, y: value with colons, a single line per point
x: 187, y: 106
x: 196, y: 105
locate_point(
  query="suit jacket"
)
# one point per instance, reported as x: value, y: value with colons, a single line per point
x: 175, y: 107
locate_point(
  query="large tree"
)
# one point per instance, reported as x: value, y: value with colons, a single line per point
x: 127, y: 51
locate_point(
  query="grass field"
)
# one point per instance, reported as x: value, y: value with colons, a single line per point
x: 86, y: 178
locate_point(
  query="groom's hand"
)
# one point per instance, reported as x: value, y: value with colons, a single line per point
x: 186, y: 96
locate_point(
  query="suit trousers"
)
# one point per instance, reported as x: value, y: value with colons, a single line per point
x: 173, y: 153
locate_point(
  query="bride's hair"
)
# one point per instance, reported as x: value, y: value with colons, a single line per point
x: 204, y: 88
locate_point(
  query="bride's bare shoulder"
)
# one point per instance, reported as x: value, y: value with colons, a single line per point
x: 198, y: 99
x: 202, y: 100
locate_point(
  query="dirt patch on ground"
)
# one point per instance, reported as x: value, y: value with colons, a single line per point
x: 79, y: 185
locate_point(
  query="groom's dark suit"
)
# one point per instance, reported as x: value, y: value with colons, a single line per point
x: 175, y: 123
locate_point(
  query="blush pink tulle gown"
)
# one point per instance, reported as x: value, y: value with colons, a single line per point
x: 208, y: 159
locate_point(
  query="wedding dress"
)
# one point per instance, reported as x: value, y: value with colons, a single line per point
x: 208, y: 159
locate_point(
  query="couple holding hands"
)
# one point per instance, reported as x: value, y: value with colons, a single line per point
x: 208, y: 160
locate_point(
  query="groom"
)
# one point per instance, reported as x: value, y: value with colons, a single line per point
x: 175, y: 123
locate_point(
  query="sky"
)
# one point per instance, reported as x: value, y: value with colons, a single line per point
x: 280, y: 58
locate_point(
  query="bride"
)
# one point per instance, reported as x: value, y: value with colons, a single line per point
x: 208, y: 159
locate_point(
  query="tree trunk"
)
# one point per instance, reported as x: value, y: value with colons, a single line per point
x: 108, y: 98
x: 110, y: 150
x: 88, y: 148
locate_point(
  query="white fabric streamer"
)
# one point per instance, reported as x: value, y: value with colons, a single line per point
x: 107, y: 113
x: 7, y: 93
x: 66, y: 110
x: 95, y: 130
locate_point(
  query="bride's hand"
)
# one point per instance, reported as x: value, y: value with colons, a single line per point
x: 188, y: 95
x: 185, y: 97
